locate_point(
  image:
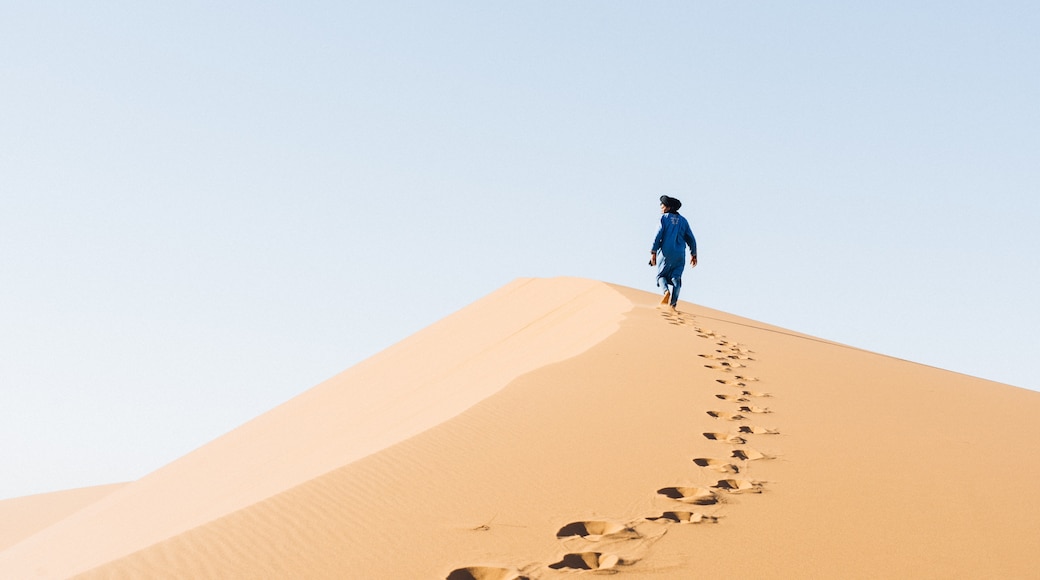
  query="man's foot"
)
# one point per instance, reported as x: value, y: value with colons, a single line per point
x: 667, y: 299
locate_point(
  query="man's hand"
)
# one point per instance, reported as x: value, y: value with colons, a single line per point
x: 653, y: 258
x: 693, y: 261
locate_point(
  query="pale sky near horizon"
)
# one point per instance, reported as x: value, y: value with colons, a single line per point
x: 207, y: 209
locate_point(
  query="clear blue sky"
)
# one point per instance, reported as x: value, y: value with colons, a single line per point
x: 207, y: 208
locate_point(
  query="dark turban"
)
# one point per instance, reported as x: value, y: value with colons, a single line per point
x: 671, y: 203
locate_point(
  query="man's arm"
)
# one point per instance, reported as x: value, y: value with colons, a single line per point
x: 658, y: 242
x: 692, y: 242
x: 659, y: 238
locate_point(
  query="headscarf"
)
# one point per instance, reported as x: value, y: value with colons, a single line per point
x: 671, y: 203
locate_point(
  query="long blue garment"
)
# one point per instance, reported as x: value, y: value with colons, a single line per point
x: 671, y: 241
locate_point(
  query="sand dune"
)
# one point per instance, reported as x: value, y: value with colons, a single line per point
x: 24, y: 516
x: 567, y: 426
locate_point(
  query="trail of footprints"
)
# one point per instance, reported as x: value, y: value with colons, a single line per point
x: 603, y: 542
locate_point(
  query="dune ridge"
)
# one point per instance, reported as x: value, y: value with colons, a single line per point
x: 817, y: 460
x: 417, y: 383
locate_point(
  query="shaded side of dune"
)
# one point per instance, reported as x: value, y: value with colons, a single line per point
x: 412, y: 386
x: 22, y: 517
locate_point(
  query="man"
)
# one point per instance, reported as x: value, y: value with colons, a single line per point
x: 671, y: 242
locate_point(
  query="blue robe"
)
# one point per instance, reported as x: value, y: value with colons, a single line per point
x: 670, y: 244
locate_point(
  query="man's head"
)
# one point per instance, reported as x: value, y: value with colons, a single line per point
x: 670, y: 204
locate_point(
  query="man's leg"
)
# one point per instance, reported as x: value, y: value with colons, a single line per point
x: 676, y: 285
x: 663, y: 283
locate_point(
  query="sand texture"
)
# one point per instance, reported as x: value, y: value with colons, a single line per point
x: 568, y: 427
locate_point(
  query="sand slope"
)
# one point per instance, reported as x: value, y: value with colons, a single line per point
x: 22, y: 517
x: 412, y: 386
x: 652, y: 444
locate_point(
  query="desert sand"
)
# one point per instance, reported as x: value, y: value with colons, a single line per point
x: 24, y: 516
x: 563, y: 427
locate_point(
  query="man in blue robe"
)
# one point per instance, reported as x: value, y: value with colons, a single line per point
x: 671, y: 241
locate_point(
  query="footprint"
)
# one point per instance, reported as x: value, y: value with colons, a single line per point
x: 755, y: 394
x: 725, y: 357
x: 733, y: 398
x: 726, y: 416
x: 674, y: 319
x: 753, y: 409
x: 685, y: 518
x: 692, y: 495
x: 739, y: 486
x: 724, y: 367
x: 743, y: 378
x: 734, y: 354
x: 717, y: 464
x: 739, y: 348
x: 749, y: 454
x: 595, y: 530
x: 731, y: 383
x: 756, y: 430
x: 587, y: 561
x: 726, y: 438
x: 485, y: 573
